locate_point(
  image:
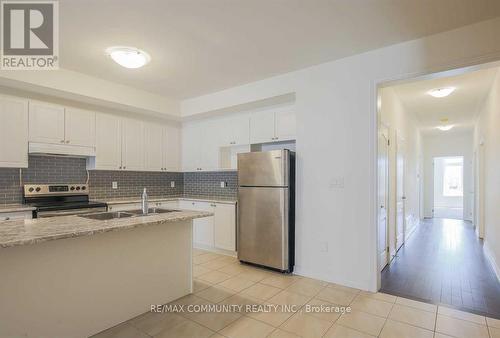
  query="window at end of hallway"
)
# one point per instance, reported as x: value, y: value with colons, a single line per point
x: 453, y: 177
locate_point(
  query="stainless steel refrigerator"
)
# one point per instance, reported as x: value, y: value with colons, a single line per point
x: 266, y: 209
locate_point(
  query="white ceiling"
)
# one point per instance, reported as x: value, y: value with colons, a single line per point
x: 202, y: 46
x: 460, y: 107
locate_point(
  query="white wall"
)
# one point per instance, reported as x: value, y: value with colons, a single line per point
x: 442, y: 145
x: 336, y: 137
x: 487, y: 136
x: 404, y: 124
x: 66, y: 84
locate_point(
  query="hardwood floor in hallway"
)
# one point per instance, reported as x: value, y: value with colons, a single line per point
x: 443, y: 263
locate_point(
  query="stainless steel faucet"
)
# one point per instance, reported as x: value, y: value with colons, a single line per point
x: 144, y: 202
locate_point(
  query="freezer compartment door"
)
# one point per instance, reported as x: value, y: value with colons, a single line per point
x: 263, y: 226
x: 269, y: 168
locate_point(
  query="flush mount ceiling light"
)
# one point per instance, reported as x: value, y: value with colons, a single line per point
x: 128, y: 57
x: 441, y: 92
x: 446, y: 127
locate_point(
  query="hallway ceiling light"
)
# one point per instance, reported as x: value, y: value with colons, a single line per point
x: 128, y: 57
x: 445, y: 128
x: 441, y: 92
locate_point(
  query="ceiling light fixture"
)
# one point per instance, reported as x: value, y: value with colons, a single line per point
x: 441, y: 92
x: 128, y: 57
x: 445, y: 128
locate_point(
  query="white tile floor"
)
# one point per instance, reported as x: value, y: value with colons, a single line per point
x: 223, y: 280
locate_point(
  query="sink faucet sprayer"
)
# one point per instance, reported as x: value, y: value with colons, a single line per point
x: 144, y: 202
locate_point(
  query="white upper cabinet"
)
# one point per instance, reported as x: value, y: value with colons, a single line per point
x: 262, y: 127
x: 210, y: 145
x: 201, y: 142
x: 272, y: 126
x: 133, y: 144
x: 155, y: 144
x: 108, y: 142
x: 46, y: 123
x: 285, y: 125
x: 191, y: 146
x: 79, y: 127
x: 172, y: 153
x: 54, y: 124
x: 13, y: 132
x: 235, y: 130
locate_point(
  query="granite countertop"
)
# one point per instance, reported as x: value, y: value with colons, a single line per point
x: 15, y: 207
x: 31, y: 231
x: 164, y: 199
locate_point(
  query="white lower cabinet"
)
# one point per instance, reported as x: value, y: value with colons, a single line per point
x: 216, y: 232
x: 225, y: 226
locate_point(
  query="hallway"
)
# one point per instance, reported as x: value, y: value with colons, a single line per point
x: 443, y: 262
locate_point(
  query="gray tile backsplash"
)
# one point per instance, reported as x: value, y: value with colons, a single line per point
x: 131, y: 183
x: 54, y: 169
x: 208, y: 184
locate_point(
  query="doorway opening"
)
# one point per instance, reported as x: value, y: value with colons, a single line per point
x: 448, y: 187
x: 431, y: 186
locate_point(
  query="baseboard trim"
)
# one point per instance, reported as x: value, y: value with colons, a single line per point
x: 491, y: 258
x: 215, y: 250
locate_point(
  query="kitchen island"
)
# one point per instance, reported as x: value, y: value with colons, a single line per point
x: 71, y: 276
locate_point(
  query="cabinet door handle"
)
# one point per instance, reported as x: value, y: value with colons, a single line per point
x: 67, y: 141
x: 62, y: 141
x: 124, y: 167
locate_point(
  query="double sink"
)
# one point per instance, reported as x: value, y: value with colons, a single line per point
x: 104, y: 216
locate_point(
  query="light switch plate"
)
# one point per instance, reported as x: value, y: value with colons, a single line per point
x: 222, y: 184
x: 172, y: 184
x: 114, y: 185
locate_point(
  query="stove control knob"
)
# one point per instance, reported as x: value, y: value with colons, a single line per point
x: 72, y: 188
x: 37, y: 189
x: 77, y: 188
x: 31, y: 189
x: 84, y: 188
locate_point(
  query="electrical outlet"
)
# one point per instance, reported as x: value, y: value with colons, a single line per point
x: 222, y: 184
x: 114, y: 185
x: 172, y: 184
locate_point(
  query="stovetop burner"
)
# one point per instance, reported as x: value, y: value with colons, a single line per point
x: 59, y: 197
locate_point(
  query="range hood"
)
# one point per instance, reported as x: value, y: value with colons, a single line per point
x: 60, y: 149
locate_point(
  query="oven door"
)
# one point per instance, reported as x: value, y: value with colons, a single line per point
x: 68, y: 212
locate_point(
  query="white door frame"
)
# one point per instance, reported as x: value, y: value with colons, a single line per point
x: 384, y: 205
x: 400, y: 148
x: 479, y: 189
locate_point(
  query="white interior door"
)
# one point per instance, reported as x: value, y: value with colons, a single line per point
x: 400, y: 192
x: 478, y: 190
x: 383, y: 185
